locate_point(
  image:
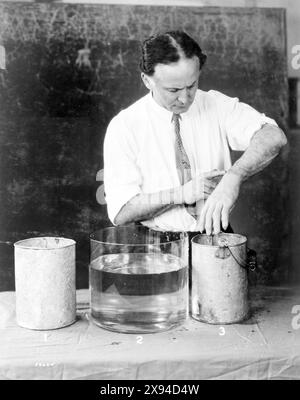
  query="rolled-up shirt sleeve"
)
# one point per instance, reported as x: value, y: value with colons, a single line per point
x: 240, y: 121
x: 122, y: 177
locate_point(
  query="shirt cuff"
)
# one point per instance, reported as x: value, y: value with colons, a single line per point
x: 252, y: 128
x: 115, y: 201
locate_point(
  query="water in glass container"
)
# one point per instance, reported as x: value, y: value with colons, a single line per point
x: 138, y: 292
x: 138, y: 279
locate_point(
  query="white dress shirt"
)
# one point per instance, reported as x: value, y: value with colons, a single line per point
x: 139, y: 149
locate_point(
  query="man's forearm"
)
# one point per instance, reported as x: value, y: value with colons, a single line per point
x: 264, y: 147
x: 147, y: 205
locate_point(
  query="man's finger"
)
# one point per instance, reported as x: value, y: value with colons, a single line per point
x: 213, y: 174
x: 209, y: 187
x: 217, y: 218
x: 208, y: 219
x: 225, y: 217
x: 202, y: 217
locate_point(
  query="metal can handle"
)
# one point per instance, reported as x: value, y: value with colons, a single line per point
x: 251, y: 259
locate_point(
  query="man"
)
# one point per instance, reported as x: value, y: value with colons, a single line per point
x: 167, y: 157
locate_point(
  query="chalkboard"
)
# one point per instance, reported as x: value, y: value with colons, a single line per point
x: 71, y: 68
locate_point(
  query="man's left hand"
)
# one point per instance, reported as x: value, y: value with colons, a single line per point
x: 219, y: 204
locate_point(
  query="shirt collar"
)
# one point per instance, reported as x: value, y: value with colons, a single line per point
x: 163, y: 112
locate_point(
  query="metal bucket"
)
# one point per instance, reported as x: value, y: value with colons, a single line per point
x: 45, y: 282
x: 219, y: 293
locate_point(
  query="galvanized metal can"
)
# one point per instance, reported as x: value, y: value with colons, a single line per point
x: 45, y: 282
x: 219, y: 292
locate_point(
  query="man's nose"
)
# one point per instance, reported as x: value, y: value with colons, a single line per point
x: 183, y: 96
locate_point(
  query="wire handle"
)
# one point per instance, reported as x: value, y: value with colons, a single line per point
x: 251, y: 259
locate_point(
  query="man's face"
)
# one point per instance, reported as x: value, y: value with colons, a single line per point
x: 174, y: 85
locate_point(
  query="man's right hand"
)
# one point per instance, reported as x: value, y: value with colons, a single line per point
x: 147, y: 205
x: 200, y: 187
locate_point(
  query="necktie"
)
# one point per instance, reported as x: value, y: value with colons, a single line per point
x: 182, y: 161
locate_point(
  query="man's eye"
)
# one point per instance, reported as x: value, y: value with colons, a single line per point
x: 173, y: 90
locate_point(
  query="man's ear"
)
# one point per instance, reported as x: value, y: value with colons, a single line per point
x: 147, y: 81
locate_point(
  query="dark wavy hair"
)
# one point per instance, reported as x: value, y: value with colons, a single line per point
x: 166, y: 48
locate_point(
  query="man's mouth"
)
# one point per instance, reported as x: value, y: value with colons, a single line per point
x: 182, y: 107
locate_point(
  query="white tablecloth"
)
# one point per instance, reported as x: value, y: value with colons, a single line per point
x: 265, y: 347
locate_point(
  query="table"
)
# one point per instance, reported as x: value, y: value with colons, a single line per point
x: 265, y: 347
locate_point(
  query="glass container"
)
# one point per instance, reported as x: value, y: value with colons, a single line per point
x: 138, y: 279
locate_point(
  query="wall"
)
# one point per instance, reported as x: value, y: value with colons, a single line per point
x: 292, y: 16
x: 55, y: 106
